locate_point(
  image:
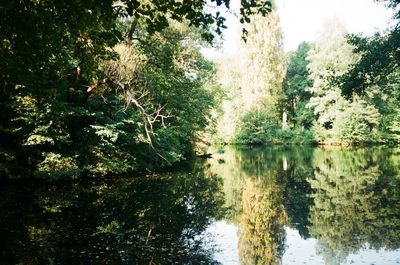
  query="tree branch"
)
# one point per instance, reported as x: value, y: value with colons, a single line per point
x: 94, y: 86
x: 132, y: 29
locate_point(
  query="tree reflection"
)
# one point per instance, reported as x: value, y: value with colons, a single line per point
x: 356, y: 193
x: 262, y: 235
x: 152, y: 220
x: 263, y: 185
x: 288, y: 167
x: 345, y: 198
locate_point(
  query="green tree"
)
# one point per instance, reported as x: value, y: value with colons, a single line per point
x: 171, y: 85
x: 262, y: 66
x: 229, y: 78
x: 257, y: 128
x: 359, y: 123
x: 296, y: 87
x: 65, y: 109
x: 261, y: 72
x: 377, y: 74
x: 331, y: 56
x: 338, y: 118
x: 379, y: 57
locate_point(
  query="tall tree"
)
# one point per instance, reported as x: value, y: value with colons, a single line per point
x: 252, y: 78
x: 296, y: 86
x: 262, y: 65
x: 377, y: 73
x: 330, y: 58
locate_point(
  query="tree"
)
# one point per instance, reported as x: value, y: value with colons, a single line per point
x: 338, y: 118
x: 62, y: 106
x: 377, y: 74
x: 262, y: 64
x: 296, y: 86
x: 330, y: 57
x: 252, y: 80
x: 359, y: 123
x: 380, y: 56
x: 259, y: 69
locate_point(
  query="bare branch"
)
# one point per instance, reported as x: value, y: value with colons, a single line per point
x: 119, y: 5
x: 91, y: 88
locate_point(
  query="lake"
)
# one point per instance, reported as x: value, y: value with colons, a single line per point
x: 270, y: 205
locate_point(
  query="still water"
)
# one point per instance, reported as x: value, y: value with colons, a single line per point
x: 243, y: 206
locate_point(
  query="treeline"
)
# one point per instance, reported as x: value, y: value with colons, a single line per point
x: 341, y: 89
x: 100, y: 87
x: 116, y: 87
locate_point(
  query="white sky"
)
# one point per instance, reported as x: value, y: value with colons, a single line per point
x: 302, y: 19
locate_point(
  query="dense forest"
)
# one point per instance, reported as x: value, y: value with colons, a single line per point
x: 341, y: 89
x: 102, y: 87
x: 111, y: 87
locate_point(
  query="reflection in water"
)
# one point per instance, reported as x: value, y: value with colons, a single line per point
x: 255, y: 182
x: 262, y: 234
x: 356, y: 198
x: 343, y: 201
x: 151, y: 220
x: 346, y: 200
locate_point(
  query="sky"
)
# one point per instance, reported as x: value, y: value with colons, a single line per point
x: 302, y: 19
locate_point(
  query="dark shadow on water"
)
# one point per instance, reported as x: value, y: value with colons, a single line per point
x: 149, y: 220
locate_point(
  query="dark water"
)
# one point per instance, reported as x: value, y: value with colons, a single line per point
x: 249, y: 206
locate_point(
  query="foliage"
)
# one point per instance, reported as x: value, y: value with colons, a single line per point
x: 326, y: 100
x: 173, y: 91
x: 262, y: 64
x: 259, y: 128
x: 358, y: 123
x: 256, y: 128
x: 379, y: 58
x: 355, y: 120
x: 253, y: 111
x: 296, y: 87
x: 310, y: 94
x: 261, y: 91
x: 78, y: 97
x: 229, y: 78
x: 377, y: 72
x: 394, y: 125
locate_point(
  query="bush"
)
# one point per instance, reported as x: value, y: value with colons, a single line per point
x: 358, y: 124
x: 258, y: 128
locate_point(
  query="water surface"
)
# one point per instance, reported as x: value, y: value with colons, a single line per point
x: 243, y: 206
